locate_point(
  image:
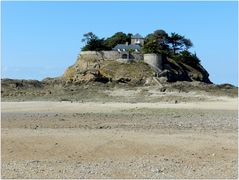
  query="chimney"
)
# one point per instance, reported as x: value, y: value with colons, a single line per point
x: 127, y: 43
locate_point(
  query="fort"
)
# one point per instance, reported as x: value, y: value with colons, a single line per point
x: 154, y: 60
x: 126, y: 53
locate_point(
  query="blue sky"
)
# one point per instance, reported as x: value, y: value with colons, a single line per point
x: 41, y: 39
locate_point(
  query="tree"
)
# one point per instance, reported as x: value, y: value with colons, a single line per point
x: 156, y: 42
x: 187, y: 43
x: 188, y: 58
x: 179, y: 42
x: 161, y: 36
x: 129, y: 37
x: 117, y: 38
x: 88, y: 37
x: 93, y: 43
x: 151, y: 46
x: 176, y: 41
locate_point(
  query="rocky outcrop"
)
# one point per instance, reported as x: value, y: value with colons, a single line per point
x: 182, y: 71
x: 98, y: 67
x: 21, y: 84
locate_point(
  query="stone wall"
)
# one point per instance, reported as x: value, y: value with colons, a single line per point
x: 109, y: 55
x: 101, y: 55
x: 137, y: 56
x: 154, y: 60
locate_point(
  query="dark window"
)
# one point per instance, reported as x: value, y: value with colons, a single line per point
x: 124, y: 56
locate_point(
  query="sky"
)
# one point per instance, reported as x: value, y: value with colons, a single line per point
x: 41, y: 39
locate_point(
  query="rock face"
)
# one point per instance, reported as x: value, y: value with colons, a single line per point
x: 181, y: 71
x: 97, y: 67
x: 21, y: 84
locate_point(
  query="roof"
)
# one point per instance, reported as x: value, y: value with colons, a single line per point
x: 126, y: 47
x: 137, y: 36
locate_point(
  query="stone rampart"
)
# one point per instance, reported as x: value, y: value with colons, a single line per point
x: 154, y: 60
x: 109, y: 55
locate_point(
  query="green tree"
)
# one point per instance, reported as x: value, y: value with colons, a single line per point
x: 156, y: 42
x: 93, y: 43
x: 117, y: 38
x: 161, y: 36
x: 179, y: 43
x: 151, y: 46
x: 188, y: 58
x: 89, y: 37
x: 187, y: 43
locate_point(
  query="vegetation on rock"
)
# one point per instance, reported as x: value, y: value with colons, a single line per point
x: 174, y: 45
x: 117, y: 38
x: 94, y: 43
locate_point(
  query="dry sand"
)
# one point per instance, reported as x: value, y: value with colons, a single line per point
x: 120, y: 140
x: 96, y: 107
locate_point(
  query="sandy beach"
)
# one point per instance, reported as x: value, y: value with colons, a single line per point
x: 123, y: 90
x: 119, y: 140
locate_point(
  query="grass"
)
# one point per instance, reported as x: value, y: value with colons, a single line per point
x: 133, y: 70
